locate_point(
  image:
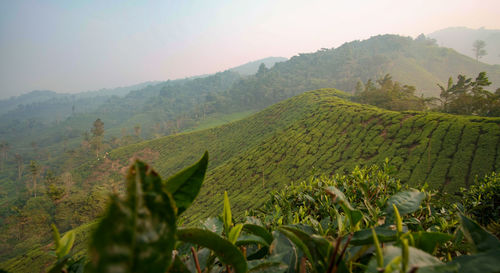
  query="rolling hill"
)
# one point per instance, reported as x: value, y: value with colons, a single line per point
x: 318, y: 132
x: 185, y: 105
x: 321, y: 133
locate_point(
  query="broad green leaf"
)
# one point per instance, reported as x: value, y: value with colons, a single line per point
x: 137, y: 234
x: 225, y: 250
x: 444, y: 268
x: 484, y: 262
x: 271, y: 264
x: 284, y: 248
x: 417, y: 258
x: 250, y: 239
x: 234, y: 233
x: 297, y: 242
x: 226, y: 214
x: 406, y: 201
x: 353, y: 214
x: 365, y: 237
x: 214, y: 224
x: 478, y: 236
x: 62, y: 245
x: 429, y: 241
x: 316, y: 248
x: 186, y: 184
x: 66, y: 243
x: 338, y: 196
x: 259, y: 231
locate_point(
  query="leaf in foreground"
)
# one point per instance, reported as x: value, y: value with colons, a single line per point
x: 138, y: 233
x: 225, y: 250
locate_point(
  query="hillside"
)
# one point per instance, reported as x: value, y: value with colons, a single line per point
x: 184, y: 105
x: 462, y: 38
x: 320, y: 133
x: 316, y: 133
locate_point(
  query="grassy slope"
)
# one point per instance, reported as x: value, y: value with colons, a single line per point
x: 321, y: 132
x: 317, y: 132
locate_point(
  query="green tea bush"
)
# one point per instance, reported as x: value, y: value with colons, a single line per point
x: 482, y: 200
x: 361, y: 222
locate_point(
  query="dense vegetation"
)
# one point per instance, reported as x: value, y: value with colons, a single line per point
x: 51, y: 174
x: 317, y: 132
x: 363, y: 222
x: 469, y: 97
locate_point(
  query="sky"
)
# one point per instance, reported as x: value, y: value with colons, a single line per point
x: 75, y: 46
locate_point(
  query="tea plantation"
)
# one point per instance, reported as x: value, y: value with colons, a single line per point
x: 320, y: 132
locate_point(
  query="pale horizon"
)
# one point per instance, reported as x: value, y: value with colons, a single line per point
x: 72, y: 47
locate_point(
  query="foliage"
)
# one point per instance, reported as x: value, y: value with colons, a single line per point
x: 390, y: 95
x: 468, y: 97
x: 478, y: 48
x: 336, y: 243
x: 482, y: 200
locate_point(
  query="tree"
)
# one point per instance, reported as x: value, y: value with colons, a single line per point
x: 478, y: 48
x: 20, y: 166
x: 468, y: 97
x: 35, y: 172
x: 4, y: 147
x: 97, y: 135
x: 391, y: 95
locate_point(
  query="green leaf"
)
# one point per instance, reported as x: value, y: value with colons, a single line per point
x: 271, y: 265
x: 354, y: 215
x: 186, y: 184
x: 250, y: 239
x: 484, y: 262
x: 406, y: 201
x: 316, y: 248
x: 417, y: 258
x: 66, y: 244
x: 137, y: 234
x: 429, y: 241
x: 234, y: 233
x: 365, y: 237
x: 225, y: 250
x: 259, y: 231
x: 298, y: 242
x: 444, y: 268
x: 226, y: 214
x: 214, y: 224
x: 478, y: 236
x: 338, y: 196
x: 285, y: 249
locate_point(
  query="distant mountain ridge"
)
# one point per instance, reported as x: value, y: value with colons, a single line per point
x: 462, y: 38
x: 252, y: 67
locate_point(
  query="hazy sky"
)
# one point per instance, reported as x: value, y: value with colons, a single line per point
x: 72, y: 46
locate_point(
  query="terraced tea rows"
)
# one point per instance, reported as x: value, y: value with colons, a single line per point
x: 320, y: 133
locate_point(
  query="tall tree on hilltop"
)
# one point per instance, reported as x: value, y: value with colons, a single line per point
x: 478, y: 48
x: 20, y: 166
x: 97, y: 135
x: 4, y: 147
x: 35, y: 172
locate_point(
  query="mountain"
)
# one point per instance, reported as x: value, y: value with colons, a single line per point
x: 462, y: 38
x: 189, y: 104
x: 317, y: 133
x: 252, y: 67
